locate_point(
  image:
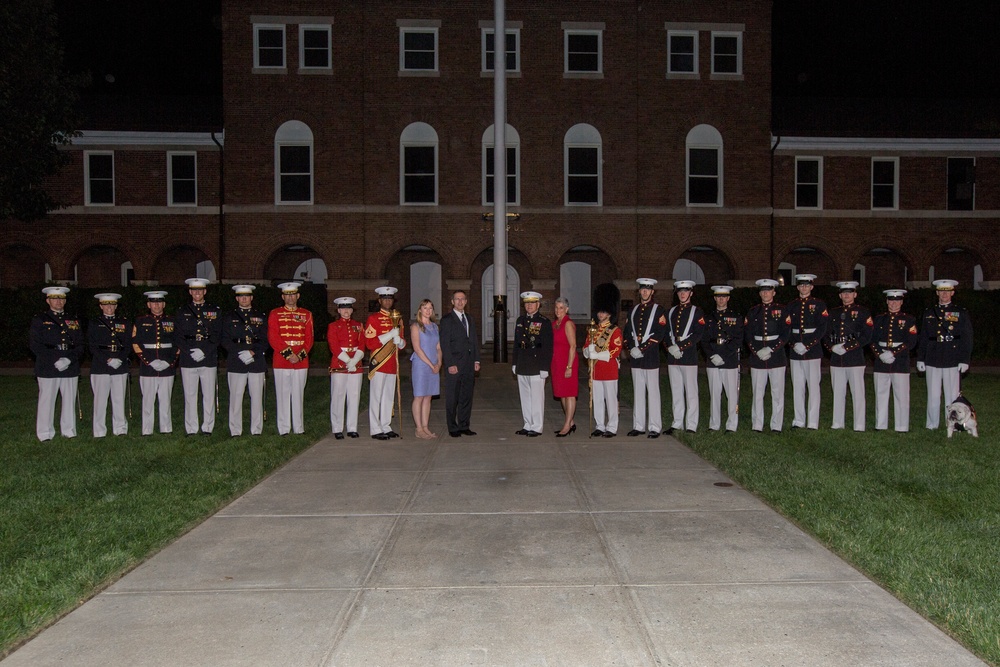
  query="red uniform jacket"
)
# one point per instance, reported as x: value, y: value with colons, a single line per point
x: 290, y: 331
x: 344, y: 336
x: 378, y: 324
x: 606, y: 370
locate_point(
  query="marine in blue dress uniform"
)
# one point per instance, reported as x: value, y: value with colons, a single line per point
x: 945, y: 349
x: 109, y: 337
x: 56, y: 340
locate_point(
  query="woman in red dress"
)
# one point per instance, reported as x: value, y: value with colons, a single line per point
x: 565, y: 365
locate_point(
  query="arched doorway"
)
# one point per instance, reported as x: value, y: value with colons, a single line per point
x: 704, y: 265
x: 177, y: 264
x: 296, y: 262
x: 101, y: 266
x: 883, y: 267
x: 958, y: 264
x: 807, y: 260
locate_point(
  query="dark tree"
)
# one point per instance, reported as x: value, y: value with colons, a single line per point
x: 36, y: 107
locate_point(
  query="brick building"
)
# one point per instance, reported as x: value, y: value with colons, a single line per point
x: 354, y: 148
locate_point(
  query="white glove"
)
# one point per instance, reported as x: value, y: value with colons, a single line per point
x: 635, y: 353
x: 513, y: 369
x: 839, y: 349
x: 675, y: 352
x: 197, y: 354
x: 963, y: 367
x: 62, y: 363
x: 351, y: 367
x: 800, y: 348
x: 400, y: 343
x: 887, y: 357
x: 387, y: 336
x: 114, y: 362
x: 716, y: 359
x: 590, y: 352
x: 356, y: 359
x: 543, y: 374
x: 159, y: 365
x: 921, y: 366
x: 603, y: 356
x: 343, y: 356
x: 764, y: 353
x: 246, y: 356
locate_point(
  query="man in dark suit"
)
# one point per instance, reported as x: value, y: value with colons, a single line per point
x: 460, y: 353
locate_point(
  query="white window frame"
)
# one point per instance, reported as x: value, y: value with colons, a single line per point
x: 584, y: 136
x: 405, y: 30
x: 513, y: 141
x: 293, y: 133
x: 895, y: 184
x: 739, y: 52
x: 417, y: 135
x: 318, y: 27
x: 87, y: 179
x: 256, y: 47
x: 704, y: 137
x: 484, y: 32
x: 693, y: 34
x: 599, y: 32
x: 818, y: 185
x: 170, y: 177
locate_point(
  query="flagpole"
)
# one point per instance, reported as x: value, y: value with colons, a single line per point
x: 499, y: 184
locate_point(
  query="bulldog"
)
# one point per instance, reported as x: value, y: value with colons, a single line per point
x: 961, y: 416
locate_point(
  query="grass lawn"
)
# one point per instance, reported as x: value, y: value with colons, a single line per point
x: 916, y: 512
x: 77, y: 514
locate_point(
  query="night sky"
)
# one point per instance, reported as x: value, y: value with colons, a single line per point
x: 821, y: 48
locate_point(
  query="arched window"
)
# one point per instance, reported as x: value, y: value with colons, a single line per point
x: 704, y: 166
x: 293, y: 164
x: 582, y: 165
x: 418, y: 165
x: 513, y: 141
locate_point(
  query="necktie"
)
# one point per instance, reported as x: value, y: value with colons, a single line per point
x: 465, y: 324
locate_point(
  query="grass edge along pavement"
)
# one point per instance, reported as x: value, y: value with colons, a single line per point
x: 80, y: 513
x: 916, y: 512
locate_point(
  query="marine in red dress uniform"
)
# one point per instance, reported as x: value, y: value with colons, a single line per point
x: 603, y: 347
x: 290, y: 334
x: 384, y: 339
x: 345, y: 337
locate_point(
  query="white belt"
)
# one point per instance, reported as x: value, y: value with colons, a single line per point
x: 884, y: 344
x: 813, y: 330
x: 157, y: 346
x: 766, y: 338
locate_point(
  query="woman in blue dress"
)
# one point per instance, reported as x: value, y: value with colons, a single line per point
x: 426, y: 367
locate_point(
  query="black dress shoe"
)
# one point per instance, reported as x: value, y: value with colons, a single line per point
x: 691, y: 430
x: 532, y: 434
x: 668, y: 431
x: 466, y: 431
x: 609, y: 434
x: 455, y: 434
x: 522, y: 431
x: 391, y: 434
x: 597, y: 433
x: 352, y: 434
x: 654, y: 434
x: 380, y: 436
x: 635, y: 432
x: 338, y: 436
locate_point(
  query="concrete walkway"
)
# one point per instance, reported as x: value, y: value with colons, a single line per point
x: 495, y: 550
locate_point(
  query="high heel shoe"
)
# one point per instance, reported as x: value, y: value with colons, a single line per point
x: 560, y: 434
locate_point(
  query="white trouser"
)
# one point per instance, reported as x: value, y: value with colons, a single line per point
x: 899, y: 384
x: 290, y: 389
x: 840, y: 378
x: 684, y: 396
x: 345, y: 388
x: 606, y: 405
x: 646, y: 385
x: 48, y: 388
x: 381, y: 398
x: 109, y: 386
x: 191, y: 379
x: 759, y: 377
x: 531, y: 389
x: 723, y: 380
x: 238, y: 383
x: 948, y: 379
x: 156, y: 389
x: 805, y: 378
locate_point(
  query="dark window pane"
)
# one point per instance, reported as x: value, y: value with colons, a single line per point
x: 414, y: 60
x: 682, y: 44
x: 273, y: 38
x: 102, y: 192
x: 704, y: 162
x: 418, y: 160
x: 489, y: 161
x: 101, y: 166
x: 313, y: 58
x: 418, y: 41
x: 703, y: 190
x: 884, y: 172
x: 806, y: 196
x: 182, y: 166
x: 882, y: 196
x: 184, y: 192
x: 418, y: 189
x: 583, y: 62
x: 315, y: 39
x: 582, y: 43
x: 295, y: 189
x: 294, y: 159
x: 807, y: 171
x: 582, y: 190
x: 681, y: 63
x: 725, y: 46
x: 582, y: 160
